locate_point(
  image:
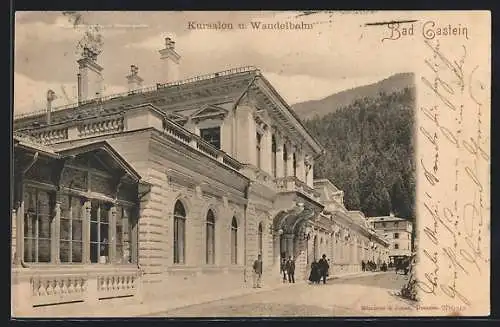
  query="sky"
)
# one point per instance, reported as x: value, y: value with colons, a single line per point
x: 338, y: 53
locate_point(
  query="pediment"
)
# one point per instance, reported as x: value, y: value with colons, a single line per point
x: 208, y: 111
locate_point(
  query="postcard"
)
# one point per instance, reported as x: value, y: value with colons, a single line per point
x: 251, y: 164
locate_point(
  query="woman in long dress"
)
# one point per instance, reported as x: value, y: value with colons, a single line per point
x: 314, y: 276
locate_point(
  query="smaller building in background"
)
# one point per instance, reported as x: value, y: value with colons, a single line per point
x: 397, y: 230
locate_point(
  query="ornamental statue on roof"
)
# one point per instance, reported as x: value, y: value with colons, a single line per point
x: 90, y: 45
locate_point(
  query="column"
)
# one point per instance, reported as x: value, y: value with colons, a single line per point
x: 266, y: 151
x: 19, y: 233
x: 112, y: 235
x: 279, y: 158
x: 56, y: 232
x: 86, y: 232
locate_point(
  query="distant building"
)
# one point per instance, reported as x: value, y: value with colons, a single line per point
x: 397, y: 230
x: 169, y: 191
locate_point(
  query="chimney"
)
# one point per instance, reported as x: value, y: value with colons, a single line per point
x: 89, y: 76
x: 170, y: 58
x: 133, y: 80
x: 51, y: 96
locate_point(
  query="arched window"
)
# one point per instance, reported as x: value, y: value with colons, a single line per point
x: 234, y: 241
x: 179, y: 232
x: 210, y: 238
x: 260, y: 238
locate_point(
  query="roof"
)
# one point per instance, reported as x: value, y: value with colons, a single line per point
x: 183, y: 98
x: 102, y: 147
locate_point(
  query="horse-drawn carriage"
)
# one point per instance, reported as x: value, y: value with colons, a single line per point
x: 401, y: 263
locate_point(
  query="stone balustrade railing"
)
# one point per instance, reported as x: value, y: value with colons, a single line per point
x: 117, y: 285
x: 58, y: 289
x: 56, y: 285
x: 293, y: 184
x: 102, y: 126
x: 195, y: 141
x: 51, y: 136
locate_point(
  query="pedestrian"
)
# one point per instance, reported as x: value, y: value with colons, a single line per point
x: 363, y: 267
x: 283, y: 268
x: 313, y: 273
x: 290, y: 269
x: 257, y: 272
x: 323, y: 268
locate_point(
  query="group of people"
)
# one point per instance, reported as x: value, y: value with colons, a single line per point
x: 372, y: 266
x: 319, y: 270
x: 287, y: 268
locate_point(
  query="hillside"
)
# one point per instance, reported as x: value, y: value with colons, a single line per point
x: 370, y: 153
x: 395, y: 83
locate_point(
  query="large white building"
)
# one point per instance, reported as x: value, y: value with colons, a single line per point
x: 397, y: 230
x: 169, y: 191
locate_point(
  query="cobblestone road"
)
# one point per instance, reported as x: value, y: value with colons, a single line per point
x: 340, y: 297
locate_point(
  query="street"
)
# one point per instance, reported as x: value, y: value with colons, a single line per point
x: 366, y: 295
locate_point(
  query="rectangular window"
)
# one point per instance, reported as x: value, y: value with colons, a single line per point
x: 71, y: 243
x: 38, y: 206
x: 396, y: 246
x: 99, y: 232
x: 257, y: 149
x: 396, y: 235
x: 211, y: 135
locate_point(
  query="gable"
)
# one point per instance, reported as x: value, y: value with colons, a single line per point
x: 209, y: 111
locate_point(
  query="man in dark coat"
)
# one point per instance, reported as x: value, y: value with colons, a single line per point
x: 290, y: 269
x: 323, y: 268
x: 257, y: 272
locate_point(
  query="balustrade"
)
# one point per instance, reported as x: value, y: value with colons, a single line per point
x: 293, y: 184
x: 102, y: 126
x: 117, y: 285
x: 58, y: 289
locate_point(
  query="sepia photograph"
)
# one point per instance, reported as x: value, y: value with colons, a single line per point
x: 251, y: 164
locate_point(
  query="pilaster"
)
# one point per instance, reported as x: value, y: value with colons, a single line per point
x: 301, y: 172
x: 246, y: 135
x: 266, y: 151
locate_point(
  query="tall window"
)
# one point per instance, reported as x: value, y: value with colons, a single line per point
x: 396, y: 235
x: 234, y: 241
x: 260, y: 234
x: 257, y: 149
x: 37, y: 219
x: 210, y: 238
x: 396, y: 246
x: 99, y: 232
x: 211, y: 135
x: 273, y: 155
x: 285, y: 157
x: 71, y: 244
x: 179, y: 232
x: 294, y: 164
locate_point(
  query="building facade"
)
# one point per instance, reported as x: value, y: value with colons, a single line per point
x: 398, y: 231
x: 165, y: 191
